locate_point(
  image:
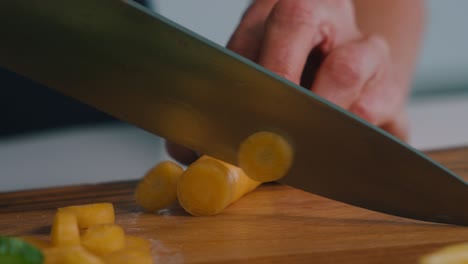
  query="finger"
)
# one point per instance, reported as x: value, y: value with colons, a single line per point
x: 383, y: 98
x: 381, y: 104
x: 292, y: 30
x: 247, y: 37
x: 346, y: 71
x: 181, y: 154
x: 398, y: 127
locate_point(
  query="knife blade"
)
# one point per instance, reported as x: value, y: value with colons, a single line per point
x: 144, y: 69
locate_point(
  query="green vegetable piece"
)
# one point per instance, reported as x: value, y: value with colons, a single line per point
x: 17, y: 251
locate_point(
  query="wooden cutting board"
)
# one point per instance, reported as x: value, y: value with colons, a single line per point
x: 274, y: 224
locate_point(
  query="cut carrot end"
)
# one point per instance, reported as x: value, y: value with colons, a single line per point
x: 158, y: 188
x: 265, y: 156
x: 65, y: 230
x: 209, y: 185
x: 204, y: 187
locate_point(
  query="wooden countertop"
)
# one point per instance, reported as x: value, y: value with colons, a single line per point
x: 274, y: 224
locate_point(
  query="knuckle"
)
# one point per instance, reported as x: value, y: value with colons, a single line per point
x: 345, y: 68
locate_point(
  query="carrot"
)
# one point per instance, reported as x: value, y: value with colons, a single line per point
x: 103, y: 239
x: 91, y: 214
x: 265, y: 156
x: 70, y: 255
x: 456, y: 253
x: 209, y: 185
x: 102, y: 242
x: 65, y: 230
x: 158, y: 188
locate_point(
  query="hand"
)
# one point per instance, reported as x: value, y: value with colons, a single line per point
x: 318, y: 45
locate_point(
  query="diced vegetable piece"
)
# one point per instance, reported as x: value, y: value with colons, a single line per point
x: 65, y: 230
x: 70, y: 255
x: 209, y: 185
x: 158, y: 188
x: 99, y: 241
x: 92, y: 214
x: 265, y: 156
x: 129, y: 256
x: 137, y: 243
x: 80, y: 256
x: 53, y: 255
x: 17, y: 251
x: 103, y: 239
x: 454, y: 254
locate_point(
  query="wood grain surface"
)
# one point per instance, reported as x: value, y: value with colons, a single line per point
x: 274, y: 224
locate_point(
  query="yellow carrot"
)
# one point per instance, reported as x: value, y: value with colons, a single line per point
x: 65, y: 230
x: 103, y: 239
x: 79, y: 255
x: 158, y: 188
x: 265, y: 156
x: 91, y: 214
x: 209, y: 185
x: 100, y: 244
x: 451, y: 254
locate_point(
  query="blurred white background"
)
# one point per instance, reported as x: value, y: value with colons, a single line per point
x: 438, y: 107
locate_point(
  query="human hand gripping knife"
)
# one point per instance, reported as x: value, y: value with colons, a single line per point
x: 144, y: 69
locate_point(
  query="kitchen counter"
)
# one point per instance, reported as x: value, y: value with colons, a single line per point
x: 273, y: 224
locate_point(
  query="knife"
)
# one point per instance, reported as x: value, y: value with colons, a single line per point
x: 140, y: 67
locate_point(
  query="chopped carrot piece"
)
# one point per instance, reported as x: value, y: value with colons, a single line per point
x: 453, y: 254
x: 158, y: 188
x: 92, y: 214
x: 70, y: 255
x: 103, y: 239
x: 65, y: 230
x: 209, y: 185
x: 265, y: 156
